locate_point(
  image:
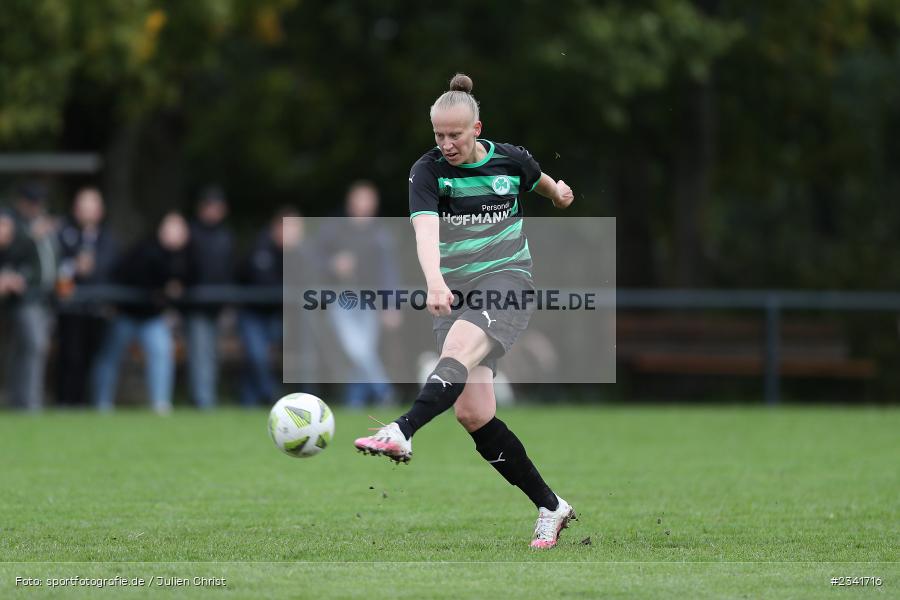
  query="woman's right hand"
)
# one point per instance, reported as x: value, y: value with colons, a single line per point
x: 439, y: 299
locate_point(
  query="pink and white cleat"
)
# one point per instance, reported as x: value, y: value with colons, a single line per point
x: 550, y: 523
x: 386, y: 441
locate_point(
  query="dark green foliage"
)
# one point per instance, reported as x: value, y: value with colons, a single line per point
x: 739, y: 144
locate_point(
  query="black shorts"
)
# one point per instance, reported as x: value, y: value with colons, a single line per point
x: 500, y: 296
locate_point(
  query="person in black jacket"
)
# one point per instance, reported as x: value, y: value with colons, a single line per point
x: 159, y: 268
x: 212, y: 257
x: 260, y: 326
x: 87, y: 256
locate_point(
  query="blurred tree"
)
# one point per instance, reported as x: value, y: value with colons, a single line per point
x: 38, y: 58
x: 738, y: 144
x: 805, y: 188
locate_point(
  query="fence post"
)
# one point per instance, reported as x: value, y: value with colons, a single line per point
x: 773, y: 350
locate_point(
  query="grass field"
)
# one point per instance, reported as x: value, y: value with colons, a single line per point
x: 690, y: 502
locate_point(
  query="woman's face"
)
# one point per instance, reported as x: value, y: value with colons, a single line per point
x: 456, y: 132
x: 173, y: 232
x: 288, y: 231
x: 88, y: 208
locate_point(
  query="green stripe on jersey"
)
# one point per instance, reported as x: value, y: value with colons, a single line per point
x: 422, y: 212
x: 474, y: 245
x: 482, y: 185
x: 479, y: 267
x: 485, y: 180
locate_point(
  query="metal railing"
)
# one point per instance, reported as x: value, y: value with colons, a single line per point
x: 771, y: 302
x: 50, y: 162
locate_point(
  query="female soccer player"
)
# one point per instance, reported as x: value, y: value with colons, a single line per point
x: 465, y: 209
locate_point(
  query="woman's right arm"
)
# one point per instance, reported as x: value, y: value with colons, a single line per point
x: 427, y: 228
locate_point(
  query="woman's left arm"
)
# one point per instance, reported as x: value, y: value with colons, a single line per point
x: 558, y: 191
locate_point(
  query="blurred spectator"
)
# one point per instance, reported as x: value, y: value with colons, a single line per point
x: 9, y: 280
x: 212, y: 263
x: 159, y: 267
x: 12, y: 284
x: 359, y: 253
x: 261, y: 326
x: 32, y: 255
x: 87, y: 256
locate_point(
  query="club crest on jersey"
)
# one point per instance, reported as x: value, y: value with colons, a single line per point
x: 501, y: 185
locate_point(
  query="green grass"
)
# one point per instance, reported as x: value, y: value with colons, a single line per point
x: 697, y: 502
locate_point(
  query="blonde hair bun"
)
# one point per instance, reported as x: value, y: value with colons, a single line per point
x: 460, y: 92
x: 461, y: 83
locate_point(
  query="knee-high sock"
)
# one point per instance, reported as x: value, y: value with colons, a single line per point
x: 503, y: 450
x: 441, y: 390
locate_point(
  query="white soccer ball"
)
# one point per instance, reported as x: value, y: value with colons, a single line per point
x: 301, y: 425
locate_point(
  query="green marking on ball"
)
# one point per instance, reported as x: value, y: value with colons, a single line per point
x: 302, y: 418
x: 323, y: 440
x: 296, y: 447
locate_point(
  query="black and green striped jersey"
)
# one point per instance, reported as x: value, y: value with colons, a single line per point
x: 480, y: 209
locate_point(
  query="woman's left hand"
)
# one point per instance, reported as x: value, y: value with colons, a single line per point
x: 564, y: 195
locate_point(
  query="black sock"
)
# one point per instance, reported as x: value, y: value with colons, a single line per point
x: 503, y: 450
x: 441, y: 390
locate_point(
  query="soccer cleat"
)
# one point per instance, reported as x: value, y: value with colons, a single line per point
x: 550, y: 523
x: 388, y: 441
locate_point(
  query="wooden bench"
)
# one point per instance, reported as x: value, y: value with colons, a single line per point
x: 690, y: 344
